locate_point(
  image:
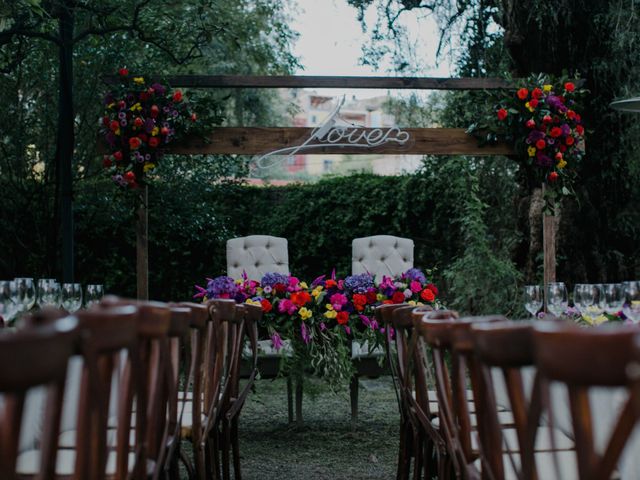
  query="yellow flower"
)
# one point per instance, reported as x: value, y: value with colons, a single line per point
x: 379, y: 297
x: 562, y: 164
x: 546, y: 88
x: 528, y: 105
x: 238, y: 282
x: 148, y: 166
x: 304, y: 285
x: 117, y: 132
x: 155, y: 131
x: 316, y: 292
x: 419, y: 304
x: 259, y: 290
x: 331, y: 314
x: 600, y: 319
x: 138, y: 80
x: 328, y: 306
x: 111, y: 105
x: 253, y: 302
x: 136, y: 106
x: 531, y: 151
x: 305, y: 313
x: 412, y: 303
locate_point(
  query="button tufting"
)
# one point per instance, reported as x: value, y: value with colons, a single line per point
x: 370, y: 244
x: 395, y: 245
x: 235, y: 265
x: 382, y: 259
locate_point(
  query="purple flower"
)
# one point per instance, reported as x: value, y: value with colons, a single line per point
x: 365, y: 320
x: 123, y: 123
x: 555, y: 103
x: 348, y: 330
x: 122, y: 115
x: 323, y: 327
x: 543, y: 160
x: 276, y: 341
x: 305, y: 334
x: 318, y: 281
x: 535, y: 135
x: 159, y: 89
x: 222, y: 287
x: 149, y: 124
x: 271, y: 279
x: 415, y: 275
x: 566, y: 129
x: 359, y: 283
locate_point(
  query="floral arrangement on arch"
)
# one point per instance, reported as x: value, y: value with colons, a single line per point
x: 139, y: 120
x: 542, y: 120
x: 319, y: 319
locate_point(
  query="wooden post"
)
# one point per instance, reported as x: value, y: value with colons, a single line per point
x: 548, y: 249
x: 142, y: 245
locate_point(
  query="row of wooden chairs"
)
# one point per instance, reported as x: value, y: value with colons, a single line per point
x: 152, y: 374
x: 475, y: 397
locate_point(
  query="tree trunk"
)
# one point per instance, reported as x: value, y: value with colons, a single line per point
x: 142, y: 245
x: 66, y: 140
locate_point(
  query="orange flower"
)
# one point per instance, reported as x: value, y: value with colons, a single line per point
x: 523, y: 93
x: 300, y: 298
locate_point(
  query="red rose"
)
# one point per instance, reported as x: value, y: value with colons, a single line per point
x: 118, y: 155
x: 571, y: 114
x: 359, y: 301
x: 540, y: 144
x: 555, y: 132
x: 114, y: 125
x: 300, y: 298
x: 397, y: 297
x: 266, y: 305
x: 546, y: 119
x: 530, y: 123
x: 130, y: 177
x: 134, y: 143
x: 433, y: 288
x: 106, y: 162
x: 569, y: 140
x: 153, y: 142
x: 502, y: 114
x: 523, y: 93
x: 372, y: 297
x: 342, y: 318
x: 177, y: 96
x: 533, y: 103
x: 154, y: 111
x: 580, y: 129
x: 138, y: 122
x: 427, y: 295
x: 558, y: 156
x: 536, y: 93
x: 578, y: 118
x: 164, y: 131
x: 123, y: 72
x: 279, y: 288
x: 563, y: 148
x: 194, y: 117
x: 553, y: 176
x: 569, y: 87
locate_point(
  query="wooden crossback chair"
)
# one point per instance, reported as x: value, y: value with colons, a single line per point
x: 28, y: 359
x: 581, y: 359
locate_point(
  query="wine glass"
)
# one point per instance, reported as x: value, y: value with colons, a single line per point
x: 48, y: 293
x: 557, y: 298
x: 532, y: 298
x: 582, y: 297
x: 71, y: 296
x: 9, y: 299
x: 631, y: 307
x: 94, y: 294
x: 613, y: 298
x: 27, y: 293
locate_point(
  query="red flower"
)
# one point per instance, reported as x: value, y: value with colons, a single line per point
x: 154, y: 111
x: 546, y: 119
x: 397, y: 297
x: 558, y: 156
x: 502, y: 114
x: 536, y: 93
x: 144, y: 96
x: 569, y: 87
x: 164, y: 131
x: 123, y: 72
x: 387, y: 302
x: 427, y: 295
x: 106, y: 161
x: 563, y: 148
x: 571, y: 114
x: 530, y: 123
x: 578, y: 118
x: 569, y: 140
x: 130, y: 177
x: 433, y: 288
x: 372, y: 297
x: 359, y: 301
x: 342, y: 318
x: 134, y: 143
x: 122, y: 104
x: 580, y: 129
x: 114, y: 125
x: 553, y: 176
x: 279, y: 288
x: 118, y: 156
x: 143, y: 137
x: 300, y: 298
x: 153, y: 142
x: 266, y: 305
x: 533, y: 103
x: 138, y: 122
x: 105, y: 121
x: 523, y: 93
x: 555, y: 132
x: 330, y: 283
x: 540, y: 144
x: 177, y: 96
x: 194, y: 117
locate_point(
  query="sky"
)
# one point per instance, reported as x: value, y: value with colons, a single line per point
x: 331, y: 40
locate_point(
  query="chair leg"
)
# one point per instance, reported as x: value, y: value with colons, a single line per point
x: 353, y: 392
x: 290, y: 399
x: 404, y: 457
x: 235, y: 448
x: 417, y: 456
x: 226, y: 444
x: 299, y: 419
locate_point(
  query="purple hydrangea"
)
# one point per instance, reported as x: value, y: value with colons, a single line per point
x: 222, y: 287
x: 415, y: 275
x: 159, y: 89
x: 271, y: 279
x: 359, y: 283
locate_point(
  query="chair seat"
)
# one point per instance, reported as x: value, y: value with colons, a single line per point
x: 28, y: 463
x: 545, y: 465
x: 543, y: 440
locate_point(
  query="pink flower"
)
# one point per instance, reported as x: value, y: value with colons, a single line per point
x: 287, y: 306
x: 294, y: 284
x: 415, y: 286
x: 276, y: 341
x: 337, y: 300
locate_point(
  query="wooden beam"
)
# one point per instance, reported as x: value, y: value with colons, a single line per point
x: 257, y: 140
x: 307, y: 81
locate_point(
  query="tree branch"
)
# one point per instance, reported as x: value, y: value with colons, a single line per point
x: 133, y: 26
x: 7, y: 35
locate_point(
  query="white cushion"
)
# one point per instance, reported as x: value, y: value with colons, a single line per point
x: 381, y: 255
x: 265, y: 349
x: 29, y: 462
x: 545, y: 465
x: 543, y: 440
x: 257, y: 255
x: 362, y: 350
x: 505, y: 418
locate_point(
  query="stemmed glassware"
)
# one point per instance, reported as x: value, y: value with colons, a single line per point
x: 71, y: 294
x: 613, y: 298
x: 93, y: 295
x: 9, y: 299
x: 26, y: 292
x: 557, y: 300
x: 631, y: 309
x: 48, y: 292
x: 583, y: 295
x: 533, y: 298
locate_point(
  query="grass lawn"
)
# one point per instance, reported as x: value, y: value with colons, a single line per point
x: 325, y: 448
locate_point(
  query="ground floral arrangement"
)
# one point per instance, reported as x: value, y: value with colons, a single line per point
x: 320, y: 319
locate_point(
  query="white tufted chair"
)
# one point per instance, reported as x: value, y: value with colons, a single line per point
x: 257, y: 255
x: 381, y: 255
x: 378, y: 255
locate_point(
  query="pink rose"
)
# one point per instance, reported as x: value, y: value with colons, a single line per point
x: 415, y: 286
x: 287, y: 306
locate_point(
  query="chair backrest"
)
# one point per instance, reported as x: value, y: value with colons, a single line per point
x: 381, y: 255
x: 30, y: 358
x: 256, y: 255
x: 582, y: 358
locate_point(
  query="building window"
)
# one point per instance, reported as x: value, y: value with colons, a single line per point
x: 314, y: 119
x: 326, y: 165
